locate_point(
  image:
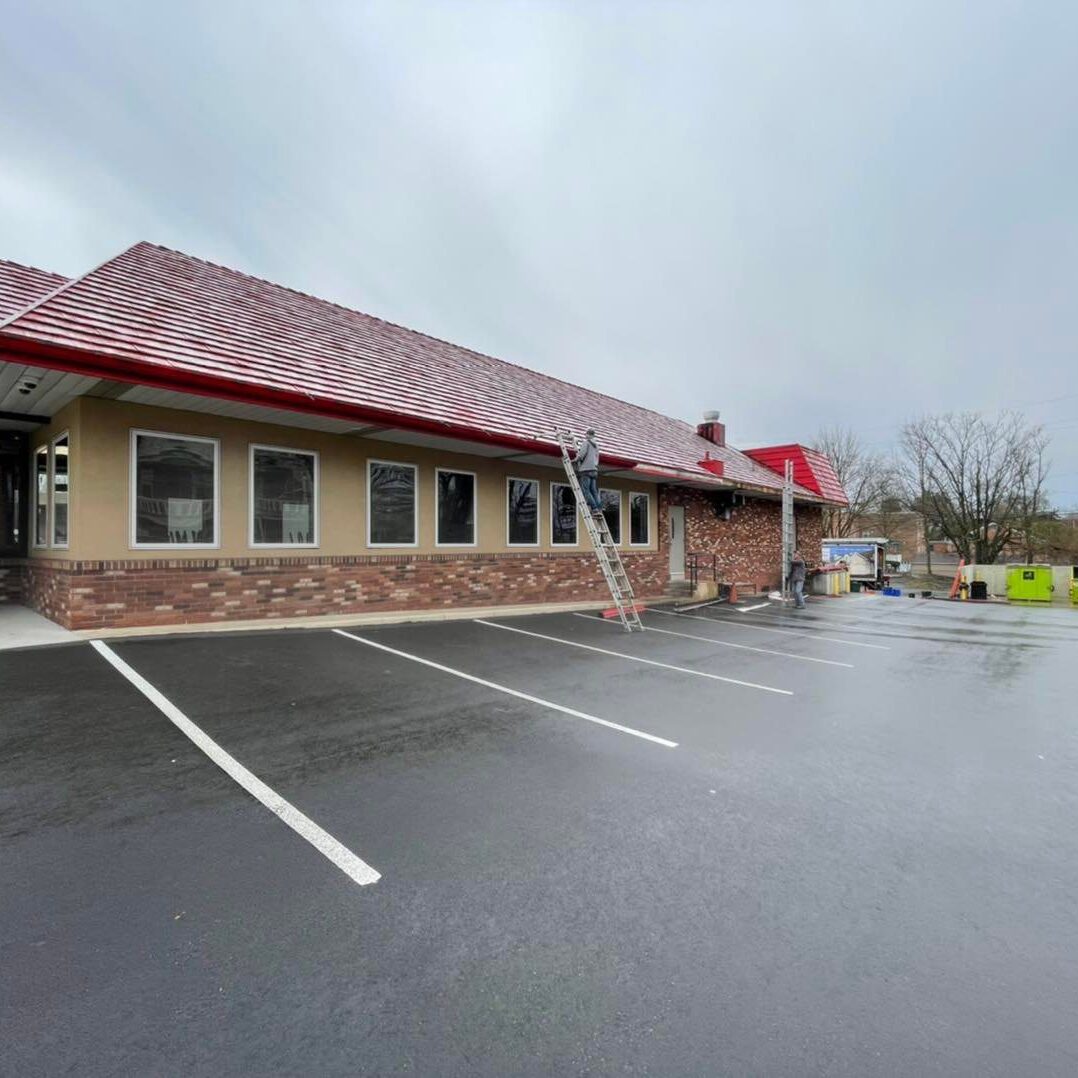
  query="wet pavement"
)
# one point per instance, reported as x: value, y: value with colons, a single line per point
x: 862, y: 869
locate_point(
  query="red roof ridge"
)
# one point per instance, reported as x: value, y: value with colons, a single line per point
x: 386, y: 322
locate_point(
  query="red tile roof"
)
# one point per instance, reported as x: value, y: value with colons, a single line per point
x: 159, y: 317
x: 22, y: 285
x: 811, y: 469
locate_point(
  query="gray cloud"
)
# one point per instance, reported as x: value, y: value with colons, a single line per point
x: 800, y: 214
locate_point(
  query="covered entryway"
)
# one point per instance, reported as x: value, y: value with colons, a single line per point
x: 13, y: 493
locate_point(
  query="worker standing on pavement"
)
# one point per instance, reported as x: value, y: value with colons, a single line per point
x: 586, y: 463
x: 797, y: 579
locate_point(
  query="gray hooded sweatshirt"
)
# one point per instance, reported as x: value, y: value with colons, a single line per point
x: 587, y: 456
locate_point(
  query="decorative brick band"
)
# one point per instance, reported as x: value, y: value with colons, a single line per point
x: 309, y: 561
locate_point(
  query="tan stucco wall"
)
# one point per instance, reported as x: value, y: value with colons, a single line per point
x: 100, y: 485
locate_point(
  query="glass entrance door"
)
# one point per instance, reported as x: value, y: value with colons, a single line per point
x: 13, y: 493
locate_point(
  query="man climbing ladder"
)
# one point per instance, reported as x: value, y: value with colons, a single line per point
x: 606, y: 550
x: 586, y: 463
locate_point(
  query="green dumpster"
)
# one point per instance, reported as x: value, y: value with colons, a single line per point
x: 1030, y: 583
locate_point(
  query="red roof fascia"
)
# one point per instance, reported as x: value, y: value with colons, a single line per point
x: 811, y: 469
x: 152, y: 374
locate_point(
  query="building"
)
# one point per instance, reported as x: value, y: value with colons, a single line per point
x: 185, y: 443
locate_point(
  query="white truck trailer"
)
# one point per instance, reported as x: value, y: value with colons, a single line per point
x: 864, y: 556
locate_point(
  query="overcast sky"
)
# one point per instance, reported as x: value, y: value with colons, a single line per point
x: 798, y: 213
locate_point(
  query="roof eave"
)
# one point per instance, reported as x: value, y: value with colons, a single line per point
x: 14, y: 347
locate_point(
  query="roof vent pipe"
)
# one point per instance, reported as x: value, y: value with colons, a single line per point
x: 712, y: 429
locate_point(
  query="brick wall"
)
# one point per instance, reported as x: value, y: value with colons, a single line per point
x: 749, y: 544
x: 11, y: 580
x: 90, y: 595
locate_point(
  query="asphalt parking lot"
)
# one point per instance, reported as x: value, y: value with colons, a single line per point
x: 836, y: 841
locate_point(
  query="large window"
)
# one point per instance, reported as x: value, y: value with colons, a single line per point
x: 455, y: 493
x: 284, y: 497
x: 41, y: 495
x: 562, y: 515
x: 174, y: 483
x: 522, y: 507
x: 611, y: 503
x: 391, y: 503
x: 639, y: 519
x: 61, y: 489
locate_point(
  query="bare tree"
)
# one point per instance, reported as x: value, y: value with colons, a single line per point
x: 863, y: 476
x: 1054, y: 539
x: 979, y: 479
x: 911, y: 477
x: 1032, y: 505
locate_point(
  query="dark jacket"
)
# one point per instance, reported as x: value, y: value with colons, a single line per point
x: 797, y: 571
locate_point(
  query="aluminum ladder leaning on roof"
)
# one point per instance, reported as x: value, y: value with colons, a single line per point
x: 606, y: 550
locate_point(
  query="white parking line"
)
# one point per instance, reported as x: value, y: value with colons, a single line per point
x: 304, y: 826
x: 749, y: 609
x: 510, y: 692
x: 634, y: 658
x: 731, y: 644
x: 766, y: 629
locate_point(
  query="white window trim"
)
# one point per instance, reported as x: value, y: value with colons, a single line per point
x: 576, y: 542
x: 52, y: 492
x: 38, y: 450
x: 132, y: 497
x: 475, y: 507
x: 252, y: 448
x: 415, y: 505
x: 647, y: 516
x: 538, y: 510
x: 621, y: 511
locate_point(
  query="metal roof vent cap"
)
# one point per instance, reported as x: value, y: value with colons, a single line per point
x: 711, y: 417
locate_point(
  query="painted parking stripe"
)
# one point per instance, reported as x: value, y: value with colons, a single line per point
x: 352, y: 866
x: 834, y: 618
x: 510, y: 692
x: 750, y: 609
x: 731, y: 644
x: 634, y: 658
x: 755, y: 625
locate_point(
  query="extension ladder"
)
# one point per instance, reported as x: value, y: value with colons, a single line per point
x: 606, y: 550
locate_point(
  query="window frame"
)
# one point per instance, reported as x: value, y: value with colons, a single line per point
x: 576, y: 518
x: 621, y: 512
x: 38, y: 450
x: 415, y: 505
x: 647, y: 516
x: 132, y: 450
x: 475, y: 506
x: 316, y: 508
x: 537, y: 483
x: 51, y: 514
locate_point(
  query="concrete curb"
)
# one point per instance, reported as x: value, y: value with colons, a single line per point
x: 340, y: 621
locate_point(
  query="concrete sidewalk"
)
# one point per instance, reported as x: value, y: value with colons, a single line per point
x: 20, y: 627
